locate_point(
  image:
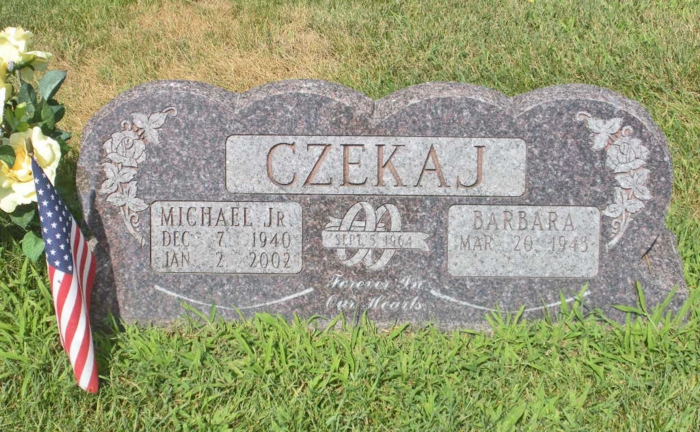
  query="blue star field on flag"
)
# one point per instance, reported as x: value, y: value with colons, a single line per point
x: 56, y: 224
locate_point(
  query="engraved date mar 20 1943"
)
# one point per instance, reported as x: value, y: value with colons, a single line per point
x: 523, y: 241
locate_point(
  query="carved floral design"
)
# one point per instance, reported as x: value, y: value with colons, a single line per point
x: 626, y: 157
x: 124, y: 151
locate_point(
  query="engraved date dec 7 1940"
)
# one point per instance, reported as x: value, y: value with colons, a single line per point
x: 226, y: 237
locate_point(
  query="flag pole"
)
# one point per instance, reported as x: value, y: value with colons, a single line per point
x: 30, y: 147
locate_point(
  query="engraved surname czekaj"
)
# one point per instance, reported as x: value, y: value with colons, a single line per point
x: 226, y: 237
x: 364, y: 165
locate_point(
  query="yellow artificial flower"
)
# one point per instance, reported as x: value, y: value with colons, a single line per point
x: 5, y: 89
x: 18, y: 37
x: 13, y: 49
x: 4, y: 75
x: 3, y: 97
x: 17, y: 182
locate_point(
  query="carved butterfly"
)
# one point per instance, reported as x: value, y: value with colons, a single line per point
x: 150, y: 124
x: 603, y: 130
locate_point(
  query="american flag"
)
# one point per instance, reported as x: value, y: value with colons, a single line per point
x: 71, y: 272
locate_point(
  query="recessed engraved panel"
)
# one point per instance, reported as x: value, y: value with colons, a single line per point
x: 226, y: 237
x: 372, y: 165
x: 523, y: 241
x: 364, y: 230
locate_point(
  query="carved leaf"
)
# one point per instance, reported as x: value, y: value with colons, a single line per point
x: 115, y: 176
x: 117, y: 198
x: 642, y: 193
x: 633, y: 205
x: 127, y: 197
x: 625, y: 180
x: 138, y: 151
x: 613, y: 210
x: 636, y: 181
x: 641, y: 176
x: 137, y: 205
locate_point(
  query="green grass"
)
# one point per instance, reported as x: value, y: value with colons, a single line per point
x: 575, y: 373
x: 266, y: 374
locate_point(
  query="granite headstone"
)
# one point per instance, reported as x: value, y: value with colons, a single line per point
x: 438, y: 203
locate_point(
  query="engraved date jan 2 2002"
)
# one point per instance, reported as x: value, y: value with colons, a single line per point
x: 226, y: 237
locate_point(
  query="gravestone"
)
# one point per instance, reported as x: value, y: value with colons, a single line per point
x: 438, y: 203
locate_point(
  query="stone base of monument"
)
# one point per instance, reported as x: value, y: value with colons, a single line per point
x: 437, y: 204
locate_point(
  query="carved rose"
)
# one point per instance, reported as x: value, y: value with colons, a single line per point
x: 123, y: 153
x: 626, y: 154
x: 125, y: 148
x: 626, y: 157
x: 636, y: 181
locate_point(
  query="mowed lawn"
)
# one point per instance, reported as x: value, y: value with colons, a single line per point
x: 579, y: 372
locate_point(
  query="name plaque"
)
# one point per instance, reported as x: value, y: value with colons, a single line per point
x: 438, y: 204
x: 226, y: 237
x: 367, y: 165
x: 517, y: 241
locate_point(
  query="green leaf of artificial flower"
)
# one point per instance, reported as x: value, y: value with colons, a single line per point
x: 7, y: 155
x: 23, y: 215
x: 27, y: 95
x: 32, y: 245
x: 58, y: 110
x: 47, y: 118
x: 50, y: 83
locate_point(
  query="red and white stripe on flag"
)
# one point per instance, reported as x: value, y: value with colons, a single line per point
x: 71, y: 297
x: 71, y: 272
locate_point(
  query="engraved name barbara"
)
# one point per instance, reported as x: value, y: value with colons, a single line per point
x: 529, y: 241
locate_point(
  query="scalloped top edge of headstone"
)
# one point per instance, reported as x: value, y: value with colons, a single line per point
x: 388, y: 105
x: 375, y: 111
